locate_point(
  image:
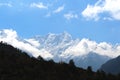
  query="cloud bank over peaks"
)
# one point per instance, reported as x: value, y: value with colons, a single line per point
x: 10, y: 36
x: 86, y: 46
x: 58, y: 45
x: 103, y: 7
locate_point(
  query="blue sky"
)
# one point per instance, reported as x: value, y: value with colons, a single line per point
x: 97, y: 20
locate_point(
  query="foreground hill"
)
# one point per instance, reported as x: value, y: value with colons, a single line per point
x: 17, y: 65
x: 112, y: 66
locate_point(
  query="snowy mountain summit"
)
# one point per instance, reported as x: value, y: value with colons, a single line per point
x: 61, y: 46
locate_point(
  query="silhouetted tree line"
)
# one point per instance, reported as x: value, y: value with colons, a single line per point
x: 17, y: 65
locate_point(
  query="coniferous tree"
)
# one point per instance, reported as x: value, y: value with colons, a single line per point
x: 71, y: 62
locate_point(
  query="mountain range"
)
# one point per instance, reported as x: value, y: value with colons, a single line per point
x: 62, y: 47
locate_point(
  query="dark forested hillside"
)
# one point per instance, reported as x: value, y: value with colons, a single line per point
x: 17, y: 65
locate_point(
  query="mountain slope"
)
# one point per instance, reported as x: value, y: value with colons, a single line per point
x: 112, y: 66
x: 91, y: 59
x: 17, y: 65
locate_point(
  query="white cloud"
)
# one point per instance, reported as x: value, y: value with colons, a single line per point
x: 39, y: 5
x: 69, y: 16
x: 11, y: 37
x: 59, y: 9
x: 82, y: 47
x: 33, y: 42
x: 109, y: 7
x: 6, y: 4
x: 86, y: 46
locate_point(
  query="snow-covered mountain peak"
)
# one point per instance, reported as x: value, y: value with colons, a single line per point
x: 55, y: 39
x: 55, y: 43
x: 66, y: 36
x: 62, y: 37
